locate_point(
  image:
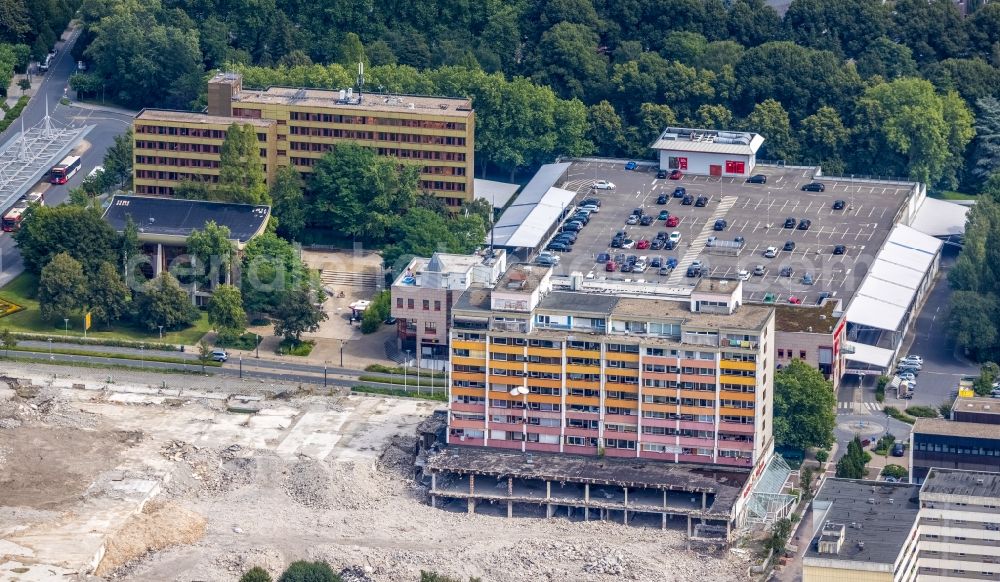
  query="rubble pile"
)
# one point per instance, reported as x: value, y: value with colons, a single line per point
x: 307, y: 482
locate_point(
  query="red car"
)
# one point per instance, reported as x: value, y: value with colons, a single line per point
x: 676, y: 175
x: 611, y: 266
x: 642, y: 244
x: 794, y: 300
x: 673, y: 220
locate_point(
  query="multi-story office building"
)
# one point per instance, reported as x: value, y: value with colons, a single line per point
x: 423, y: 294
x: 534, y: 369
x: 976, y: 409
x: 868, y: 531
x: 814, y: 335
x: 302, y: 124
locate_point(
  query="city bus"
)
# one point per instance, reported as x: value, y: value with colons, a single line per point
x: 12, y: 220
x: 65, y: 169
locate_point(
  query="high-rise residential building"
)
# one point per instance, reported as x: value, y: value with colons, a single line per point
x: 424, y: 292
x: 534, y: 369
x: 299, y: 125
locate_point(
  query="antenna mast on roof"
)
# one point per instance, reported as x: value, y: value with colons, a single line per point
x: 361, y: 79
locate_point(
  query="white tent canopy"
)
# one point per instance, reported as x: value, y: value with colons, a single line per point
x: 940, y: 218
x: 496, y: 193
x: 871, y: 355
x: 526, y: 225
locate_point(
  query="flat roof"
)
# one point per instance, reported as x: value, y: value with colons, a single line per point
x: 547, y: 176
x: 522, y: 277
x: 959, y: 482
x: 940, y: 218
x: 977, y: 404
x: 723, y: 482
x: 877, y: 514
x: 194, y: 117
x: 175, y: 217
x: 756, y: 212
x: 806, y: 319
x: 496, y: 193
x: 685, y: 139
x: 871, y: 355
x: 422, y: 104
x: 956, y: 428
x: 745, y: 316
x: 525, y: 225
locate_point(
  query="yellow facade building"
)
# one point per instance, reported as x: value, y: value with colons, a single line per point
x: 297, y: 126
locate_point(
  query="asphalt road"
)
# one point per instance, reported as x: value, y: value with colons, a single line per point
x: 50, y: 88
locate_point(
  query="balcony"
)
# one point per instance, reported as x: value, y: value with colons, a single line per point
x: 514, y: 326
x: 699, y: 339
x: 734, y: 342
x: 736, y: 428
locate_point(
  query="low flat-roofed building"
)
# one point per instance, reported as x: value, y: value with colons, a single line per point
x: 976, y: 409
x: 708, y: 152
x: 860, y: 529
x: 937, y: 442
x: 814, y: 335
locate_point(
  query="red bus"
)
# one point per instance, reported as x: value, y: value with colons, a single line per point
x: 65, y: 169
x: 12, y: 220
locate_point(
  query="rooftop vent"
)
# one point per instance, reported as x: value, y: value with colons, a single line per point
x: 980, y: 481
x: 891, y: 501
x: 871, y: 501
x: 861, y: 545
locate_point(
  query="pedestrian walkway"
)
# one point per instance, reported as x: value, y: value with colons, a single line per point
x: 698, y: 243
x: 860, y: 407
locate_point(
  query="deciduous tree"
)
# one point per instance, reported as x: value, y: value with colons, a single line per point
x: 297, y: 314
x: 804, y: 404
x: 80, y: 232
x: 288, y: 202
x: 163, y: 302
x: 241, y: 171
x: 226, y: 313
x: 107, y: 295
x: 62, y: 288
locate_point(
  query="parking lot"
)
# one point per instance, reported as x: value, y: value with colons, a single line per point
x: 756, y: 212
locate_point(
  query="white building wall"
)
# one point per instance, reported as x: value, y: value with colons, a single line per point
x: 701, y: 163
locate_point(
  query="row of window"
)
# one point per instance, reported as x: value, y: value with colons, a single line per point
x: 425, y: 304
x: 360, y: 135
x: 791, y: 354
x: 357, y: 119
x: 182, y: 162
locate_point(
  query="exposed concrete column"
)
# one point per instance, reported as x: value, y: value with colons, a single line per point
x: 472, y: 505
x: 586, y: 514
x: 586, y: 492
x: 664, y: 498
x: 159, y: 259
x: 663, y: 521
x: 434, y: 501
x: 626, y: 496
x: 689, y: 525
x: 727, y: 530
x: 434, y: 481
x: 472, y: 484
x: 704, y: 500
x: 548, y: 510
x: 510, y: 509
x: 510, y: 486
x: 548, y: 489
x: 625, y: 519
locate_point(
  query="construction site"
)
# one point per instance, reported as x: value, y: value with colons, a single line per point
x: 136, y: 476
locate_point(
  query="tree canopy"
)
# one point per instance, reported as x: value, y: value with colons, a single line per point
x: 80, y: 232
x: 804, y: 404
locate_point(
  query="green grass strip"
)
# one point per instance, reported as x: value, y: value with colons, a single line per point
x: 437, y: 396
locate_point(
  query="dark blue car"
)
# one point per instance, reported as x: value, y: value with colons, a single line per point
x: 671, y: 262
x: 631, y: 166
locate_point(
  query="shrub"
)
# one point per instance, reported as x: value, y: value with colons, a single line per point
x: 303, y: 571
x: 822, y: 455
x: 896, y: 471
x: 256, y: 574
x: 895, y: 413
x: 922, y: 411
x: 945, y: 409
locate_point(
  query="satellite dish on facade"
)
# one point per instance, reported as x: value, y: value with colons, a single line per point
x: 521, y: 390
x: 513, y: 391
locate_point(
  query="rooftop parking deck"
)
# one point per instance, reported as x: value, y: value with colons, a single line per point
x: 756, y: 212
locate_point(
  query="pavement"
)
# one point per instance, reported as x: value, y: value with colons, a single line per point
x: 48, y: 90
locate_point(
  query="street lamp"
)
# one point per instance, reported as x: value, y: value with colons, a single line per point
x: 51, y: 357
x: 257, y: 345
x: 161, y: 331
x: 406, y: 364
x: 142, y: 355
x: 66, y: 321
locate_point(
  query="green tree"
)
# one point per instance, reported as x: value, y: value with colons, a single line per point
x: 256, y: 574
x: 605, y: 128
x: 212, y: 252
x: 241, y: 171
x: 163, y: 302
x: 895, y: 471
x: 8, y: 340
x: 823, y: 137
x: 887, y: 59
x: 933, y: 30
x: 270, y: 267
x: 986, y: 151
x: 118, y: 161
x: 226, y: 313
x: 714, y: 117
x: 378, y: 310
x: 80, y: 232
x: 289, y: 205
x: 989, y: 374
x: 360, y: 194
x: 852, y: 464
x: 568, y: 60
x: 970, y: 78
x: 770, y: 119
x: 62, y: 288
x: 913, y: 131
x: 425, y: 232
x: 804, y: 405
x: 204, y: 354
x: 297, y: 314
x: 972, y: 321
x: 845, y: 27
x: 778, y: 539
x: 107, y: 295
x: 752, y: 22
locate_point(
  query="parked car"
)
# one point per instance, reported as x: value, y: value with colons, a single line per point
x: 789, y: 245
x: 572, y: 226
x: 669, y: 244
x: 804, y: 224
x: 643, y: 244
x: 656, y: 262
x: 898, y: 449
x: 591, y: 202
x: 631, y: 166
x: 915, y: 358
x: 632, y: 220
x: 759, y: 270
x: 673, y: 220
x: 663, y: 215
x: 657, y: 244
x: 701, y: 201
x: 662, y: 199
x: 565, y: 239
x: 603, y: 257
x: 625, y: 267
x: 739, y: 240
x: 663, y: 271
x: 592, y: 208
x: 907, y: 377
x: 679, y: 192
x: 559, y: 247
x: 628, y: 243
x: 545, y: 261
x: 814, y: 187
x: 839, y: 249
x: 794, y: 300
x: 710, y: 241
x: 639, y: 267
x: 219, y: 355
x: 671, y: 262
x: 720, y: 224
x: 603, y: 185
x: 838, y: 204
x: 688, y: 200
x: 771, y: 252
x: 676, y: 174
x: 646, y: 220
x: 790, y: 222
x: 787, y: 271
x: 675, y: 237
x: 743, y: 275
x: 807, y: 279
x: 757, y: 179
x: 661, y: 174
x: 693, y: 271
x: 611, y: 266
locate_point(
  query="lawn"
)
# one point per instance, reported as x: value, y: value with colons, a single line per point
x: 21, y: 291
x: 952, y: 195
x: 292, y: 348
